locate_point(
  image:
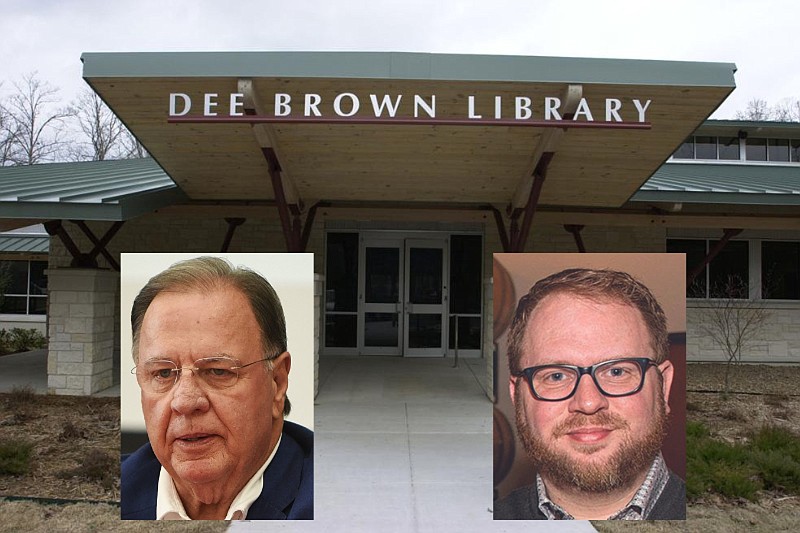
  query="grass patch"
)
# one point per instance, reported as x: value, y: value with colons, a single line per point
x: 15, y: 457
x: 769, y: 461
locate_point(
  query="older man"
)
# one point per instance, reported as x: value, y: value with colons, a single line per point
x: 209, y: 343
x: 590, y: 381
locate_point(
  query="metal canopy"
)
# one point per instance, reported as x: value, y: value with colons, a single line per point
x: 89, y: 190
x: 407, y: 163
x: 723, y: 183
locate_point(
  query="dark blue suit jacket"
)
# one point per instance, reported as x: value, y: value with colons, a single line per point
x: 288, y: 492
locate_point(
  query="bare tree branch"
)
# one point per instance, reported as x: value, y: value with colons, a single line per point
x: 787, y: 110
x: 102, y: 130
x: 132, y: 148
x: 36, y: 125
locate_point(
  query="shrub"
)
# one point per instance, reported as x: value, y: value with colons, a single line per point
x: 695, y: 430
x: 20, y: 340
x: 23, y: 340
x: 777, y: 439
x: 21, y: 401
x: 735, y: 481
x: 777, y: 471
x: 97, y: 466
x: 770, y: 460
x: 5, y: 342
x: 70, y: 431
x: 15, y: 457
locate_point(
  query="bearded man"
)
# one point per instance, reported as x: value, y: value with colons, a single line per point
x: 590, y: 381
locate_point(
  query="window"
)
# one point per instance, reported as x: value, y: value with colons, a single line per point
x: 795, y: 150
x: 727, y: 274
x: 466, y: 285
x: 729, y: 148
x: 780, y: 270
x: 341, y: 291
x: 24, y: 287
x: 776, y: 276
x: 705, y: 147
x: 695, y: 251
x: 686, y: 150
x: 778, y: 150
x: 756, y: 149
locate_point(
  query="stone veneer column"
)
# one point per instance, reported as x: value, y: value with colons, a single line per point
x: 318, y: 283
x: 81, y: 330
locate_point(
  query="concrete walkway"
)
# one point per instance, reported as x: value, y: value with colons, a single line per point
x: 24, y: 369
x: 30, y: 368
x: 403, y: 445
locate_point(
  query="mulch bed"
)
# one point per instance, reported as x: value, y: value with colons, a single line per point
x: 66, y: 432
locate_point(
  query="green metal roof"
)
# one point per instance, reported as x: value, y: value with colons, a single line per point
x: 120, y: 190
x: 407, y: 66
x: 24, y: 243
x: 89, y: 190
x: 723, y: 183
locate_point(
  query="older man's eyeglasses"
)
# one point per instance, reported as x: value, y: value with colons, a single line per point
x: 159, y: 375
x: 614, y: 378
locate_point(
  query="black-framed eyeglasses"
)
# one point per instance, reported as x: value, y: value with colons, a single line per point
x: 614, y: 378
x: 160, y: 375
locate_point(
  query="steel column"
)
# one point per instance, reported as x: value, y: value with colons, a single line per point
x: 233, y: 223
x: 575, y: 229
x: 520, y: 235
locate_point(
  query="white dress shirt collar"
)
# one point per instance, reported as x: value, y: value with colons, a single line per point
x: 170, y: 507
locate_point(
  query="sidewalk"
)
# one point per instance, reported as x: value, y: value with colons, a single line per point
x: 24, y: 368
x: 403, y: 445
x: 30, y: 368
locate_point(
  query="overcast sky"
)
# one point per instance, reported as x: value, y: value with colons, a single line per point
x: 49, y: 36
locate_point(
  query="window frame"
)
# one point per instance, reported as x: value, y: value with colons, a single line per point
x: 28, y: 295
x: 755, y: 273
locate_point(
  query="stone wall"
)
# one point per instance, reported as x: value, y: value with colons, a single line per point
x: 778, y: 342
x: 82, y: 325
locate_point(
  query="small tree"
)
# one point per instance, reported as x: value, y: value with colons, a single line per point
x: 732, y: 320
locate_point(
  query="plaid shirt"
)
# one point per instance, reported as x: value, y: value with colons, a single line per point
x: 637, y: 509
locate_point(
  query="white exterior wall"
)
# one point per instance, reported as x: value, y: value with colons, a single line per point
x: 37, y: 322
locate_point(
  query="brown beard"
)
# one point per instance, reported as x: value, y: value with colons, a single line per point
x: 621, y: 470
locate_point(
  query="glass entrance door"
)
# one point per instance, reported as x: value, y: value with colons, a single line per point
x: 381, y: 291
x: 403, y: 296
x: 425, y: 302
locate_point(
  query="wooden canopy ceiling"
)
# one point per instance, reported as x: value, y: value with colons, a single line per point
x: 486, y: 163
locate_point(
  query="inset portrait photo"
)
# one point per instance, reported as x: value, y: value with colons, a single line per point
x: 591, y: 386
x: 217, y: 386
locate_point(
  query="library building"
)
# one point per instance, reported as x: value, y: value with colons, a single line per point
x: 403, y: 174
